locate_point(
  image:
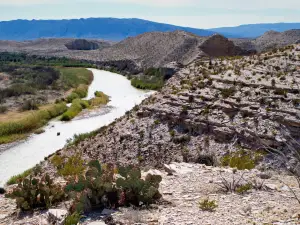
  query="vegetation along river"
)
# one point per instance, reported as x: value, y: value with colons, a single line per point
x: 123, y: 97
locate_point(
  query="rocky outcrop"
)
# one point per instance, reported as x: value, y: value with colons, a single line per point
x: 217, y: 45
x: 208, y: 108
x: 82, y: 44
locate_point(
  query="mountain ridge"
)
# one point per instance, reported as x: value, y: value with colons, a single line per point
x: 116, y: 29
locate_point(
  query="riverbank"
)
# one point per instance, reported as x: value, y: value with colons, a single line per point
x: 16, y: 125
x: 123, y: 97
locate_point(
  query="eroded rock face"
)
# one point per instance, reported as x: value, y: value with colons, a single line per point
x: 208, y: 108
x: 82, y: 44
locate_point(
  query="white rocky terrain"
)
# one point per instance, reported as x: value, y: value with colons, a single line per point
x: 211, y: 108
x: 206, y: 107
x: 182, y: 190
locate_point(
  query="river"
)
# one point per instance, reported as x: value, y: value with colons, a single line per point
x: 25, y: 155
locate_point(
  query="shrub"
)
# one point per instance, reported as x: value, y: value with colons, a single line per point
x: 72, y: 97
x: 206, y: 159
x: 81, y: 90
x: 244, y: 188
x: 241, y: 160
x: 29, y: 105
x: 73, y: 166
x: 15, y: 179
x: 77, y: 106
x: 34, y: 193
x: 227, y: 92
x: 172, y: 133
x: 207, y: 205
x: 3, y: 109
x: 73, y: 219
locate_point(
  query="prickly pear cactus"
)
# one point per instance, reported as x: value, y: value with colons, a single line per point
x: 34, y: 193
x: 136, y: 191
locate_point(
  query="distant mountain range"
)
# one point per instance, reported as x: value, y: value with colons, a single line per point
x: 254, y: 30
x: 118, y: 29
x: 95, y: 28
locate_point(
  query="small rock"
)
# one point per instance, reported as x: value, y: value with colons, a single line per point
x: 264, y: 176
x: 97, y: 223
x: 57, y: 216
x: 107, y: 212
x: 2, y: 191
x: 58, y: 133
x: 271, y: 186
x: 169, y: 170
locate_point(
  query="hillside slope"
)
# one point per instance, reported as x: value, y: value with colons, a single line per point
x: 154, y: 49
x: 206, y: 109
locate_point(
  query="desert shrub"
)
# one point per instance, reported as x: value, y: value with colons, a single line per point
x: 3, y: 109
x: 172, y: 133
x: 241, y: 160
x: 33, y: 193
x: 207, y: 205
x: 135, y: 190
x: 227, y: 92
x: 73, y: 166
x: 73, y: 219
x: 280, y: 92
x: 29, y: 105
x: 244, y: 188
x: 206, y: 159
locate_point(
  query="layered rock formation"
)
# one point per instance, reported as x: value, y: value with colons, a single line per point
x: 208, y: 108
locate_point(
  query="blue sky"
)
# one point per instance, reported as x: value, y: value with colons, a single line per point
x: 193, y: 13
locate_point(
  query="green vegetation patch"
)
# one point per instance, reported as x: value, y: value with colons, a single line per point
x: 31, y: 122
x: 74, y: 77
x: 17, y: 178
x: 242, y: 159
x: 152, y: 79
x: 80, y: 92
x: 77, y: 106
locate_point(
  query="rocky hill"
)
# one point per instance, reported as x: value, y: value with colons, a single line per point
x: 269, y: 40
x: 153, y: 49
x: 211, y: 108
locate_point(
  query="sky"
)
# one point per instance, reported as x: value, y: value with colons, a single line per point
x: 191, y: 13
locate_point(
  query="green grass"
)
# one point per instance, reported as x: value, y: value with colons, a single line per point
x: 15, y: 179
x: 77, y: 106
x: 9, y: 130
x: 73, y: 77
